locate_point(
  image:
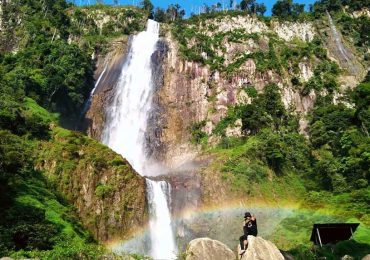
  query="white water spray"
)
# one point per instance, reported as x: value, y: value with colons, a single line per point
x: 161, y: 234
x: 125, y: 129
x: 337, y: 38
x: 128, y: 114
x: 343, y: 52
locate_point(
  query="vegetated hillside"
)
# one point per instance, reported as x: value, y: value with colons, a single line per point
x: 279, y: 109
x: 57, y: 184
x: 244, y: 87
x: 221, y: 60
x: 275, y: 103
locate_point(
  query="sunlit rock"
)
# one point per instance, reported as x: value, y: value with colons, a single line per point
x: 208, y: 249
x: 260, y: 249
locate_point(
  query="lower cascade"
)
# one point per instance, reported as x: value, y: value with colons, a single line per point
x: 125, y: 130
x: 161, y: 235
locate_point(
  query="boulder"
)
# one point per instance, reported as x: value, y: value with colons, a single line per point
x: 208, y: 249
x: 366, y: 257
x: 260, y: 249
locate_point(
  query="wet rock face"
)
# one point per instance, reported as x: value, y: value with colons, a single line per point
x: 345, y: 57
x: 208, y: 249
x: 154, y: 146
x: 108, y: 69
x: 260, y: 249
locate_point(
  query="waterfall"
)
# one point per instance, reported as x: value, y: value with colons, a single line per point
x: 125, y: 129
x: 161, y: 233
x: 337, y: 38
x: 88, y: 102
x: 346, y: 56
x: 128, y: 114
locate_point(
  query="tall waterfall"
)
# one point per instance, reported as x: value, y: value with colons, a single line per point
x: 125, y: 129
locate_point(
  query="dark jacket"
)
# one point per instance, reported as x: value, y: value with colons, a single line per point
x: 250, y: 228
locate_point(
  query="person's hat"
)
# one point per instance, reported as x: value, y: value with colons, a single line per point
x: 247, y: 214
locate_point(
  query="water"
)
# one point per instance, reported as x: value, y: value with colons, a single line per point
x: 88, y: 102
x: 342, y: 51
x: 337, y: 38
x: 161, y: 233
x: 125, y: 130
x: 128, y: 114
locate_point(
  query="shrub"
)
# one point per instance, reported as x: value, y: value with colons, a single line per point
x: 103, y: 190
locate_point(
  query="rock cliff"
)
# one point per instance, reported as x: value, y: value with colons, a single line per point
x: 194, y: 92
x: 211, y: 63
x: 197, y: 84
x: 107, y: 73
x: 108, y: 194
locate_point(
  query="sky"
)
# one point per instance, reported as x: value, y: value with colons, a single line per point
x: 192, y: 5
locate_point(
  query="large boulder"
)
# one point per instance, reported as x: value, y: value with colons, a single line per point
x: 208, y: 249
x: 260, y: 249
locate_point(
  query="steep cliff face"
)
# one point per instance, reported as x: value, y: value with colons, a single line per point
x: 212, y: 63
x: 207, y: 66
x: 108, y: 194
x: 343, y: 53
x: 196, y: 91
x: 107, y: 73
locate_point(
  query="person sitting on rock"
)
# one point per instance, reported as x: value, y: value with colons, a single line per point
x: 250, y: 229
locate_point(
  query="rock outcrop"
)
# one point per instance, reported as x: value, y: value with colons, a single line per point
x: 260, y: 249
x: 208, y: 249
x: 108, y: 194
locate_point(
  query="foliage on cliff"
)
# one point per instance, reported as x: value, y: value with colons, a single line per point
x: 106, y: 191
x: 39, y: 213
x: 92, y: 27
x: 35, y: 220
x: 271, y: 159
x: 54, y: 42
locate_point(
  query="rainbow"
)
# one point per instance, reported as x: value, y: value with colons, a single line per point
x: 228, y: 218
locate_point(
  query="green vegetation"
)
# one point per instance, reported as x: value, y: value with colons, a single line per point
x: 120, y: 21
x: 328, y: 172
x: 286, y: 9
x: 34, y: 220
x: 322, y: 6
x: 46, y: 75
x: 45, y: 82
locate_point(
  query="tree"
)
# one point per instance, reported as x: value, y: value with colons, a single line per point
x: 175, y: 12
x: 160, y: 15
x: 148, y: 7
x: 260, y: 9
x: 248, y: 5
x: 286, y: 9
x: 282, y: 8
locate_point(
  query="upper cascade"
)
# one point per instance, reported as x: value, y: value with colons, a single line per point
x: 127, y: 115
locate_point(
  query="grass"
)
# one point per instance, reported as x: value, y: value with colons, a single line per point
x: 247, y: 175
x: 39, y: 111
x: 36, y: 194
